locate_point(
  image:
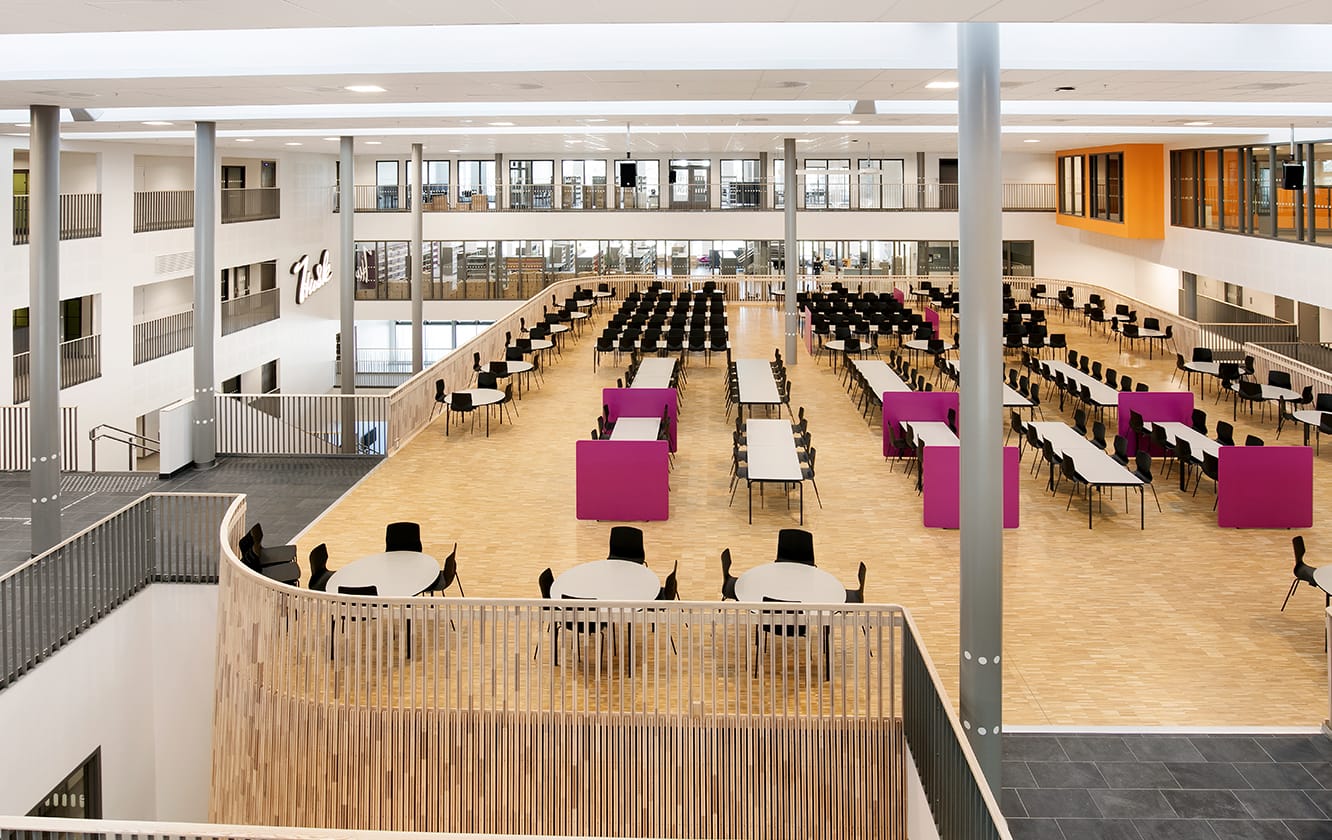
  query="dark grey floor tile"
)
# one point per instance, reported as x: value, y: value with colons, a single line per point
x: 1033, y: 748
x: 1279, y: 805
x: 1206, y: 804
x: 1011, y: 804
x: 1095, y: 748
x: 1270, y: 776
x: 1297, y: 747
x: 1058, y: 802
x: 1035, y: 830
x: 1016, y: 775
x: 1066, y: 774
x: 1229, y: 748
x: 1175, y: 830
x: 1163, y: 748
x: 1211, y: 775
x: 1322, y: 771
x: 1131, y: 804
x: 1322, y: 798
x: 1136, y: 774
x: 1250, y: 830
x: 1310, y: 829
x: 1075, y: 829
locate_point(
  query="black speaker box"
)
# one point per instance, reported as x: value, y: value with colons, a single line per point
x: 1292, y: 175
x: 628, y: 174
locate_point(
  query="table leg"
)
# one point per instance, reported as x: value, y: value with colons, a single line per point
x: 1142, y: 507
x: 1089, y: 514
x: 750, y: 485
x: 802, y: 503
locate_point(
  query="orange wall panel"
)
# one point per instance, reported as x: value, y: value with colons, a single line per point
x: 1144, y: 193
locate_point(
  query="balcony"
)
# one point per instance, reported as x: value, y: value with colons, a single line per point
x: 80, y: 216
x: 80, y: 361
x: 163, y: 336
x: 251, y: 205
x: 163, y: 210
x: 251, y: 310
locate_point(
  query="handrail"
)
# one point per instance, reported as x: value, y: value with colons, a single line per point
x: 61, y: 828
x: 104, y: 431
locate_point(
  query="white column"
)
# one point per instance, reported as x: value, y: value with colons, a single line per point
x: 417, y: 258
x: 792, y: 322
x: 44, y: 325
x: 347, y: 288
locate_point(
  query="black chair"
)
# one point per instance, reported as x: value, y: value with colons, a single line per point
x: 368, y: 591
x: 788, y: 623
x: 1253, y: 440
x: 1098, y: 435
x: 857, y: 595
x: 270, y: 556
x: 1144, y: 473
x: 1225, y: 433
x: 1080, y: 422
x: 460, y: 402
x: 319, y: 573
x: 795, y: 546
x: 1210, y: 469
x: 1279, y: 379
x: 441, y: 401
x: 448, y: 575
x: 728, y: 582
x: 1200, y: 421
x: 1121, y: 451
x: 402, y: 536
x: 1303, y: 572
x: 287, y: 572
x: 1202, y: 354
x: 626, y: 543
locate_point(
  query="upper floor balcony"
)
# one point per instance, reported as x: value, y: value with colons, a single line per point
x: 250, y: 310
x: 163, y: 210
x: 80, y: 216
x: 251, y: 204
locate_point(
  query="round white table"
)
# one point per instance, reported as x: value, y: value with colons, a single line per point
x: 607, y: 580
x: 516, y: 368
x: 794, y: 582
x: 920, y: 345
x: 396, y: 574
x: 481, y: 397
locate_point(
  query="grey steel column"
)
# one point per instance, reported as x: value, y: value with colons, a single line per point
x: 792, y: 322
x: 44, y: 325
x: 206, y: 175
x: 980, y: 220
x: 347, y: 287
x: 417, y: 257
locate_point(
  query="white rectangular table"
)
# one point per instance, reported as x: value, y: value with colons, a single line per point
x: 757, y: 384
x: 930, y: 433
x: 654, y: 373
x: 636, y: 428
x: 1101, y: 394
x: 1096, y: 467
x: 773, y: 458
x: 879, y: 376
x: 1199, y: 443
x: 1012, y: 399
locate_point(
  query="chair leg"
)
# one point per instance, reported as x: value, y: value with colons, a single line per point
x: 1293, y: 584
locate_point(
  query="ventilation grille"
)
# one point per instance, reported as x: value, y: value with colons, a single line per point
x: 175, y: 263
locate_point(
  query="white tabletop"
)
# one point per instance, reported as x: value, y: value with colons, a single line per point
x: 1101, y: 393
x: 608, y: 580
x: 1088, y: 459
x: 482, y: 396
x: 879, y: 376
x: 1198, y: 442
x: 397, y: 574
x: 1143, y: 333
x: 924, y: 344
x: 584, y: 303
x: 654, y: 373
x: 772, y: 451
x: 757, y: 385
x: 1323, y: 577
x: 931, y: 432
x: 1211, y: 368
x: 1272, y: 393
x: 556, y: 329
x: 578, y: 316
x: 636, y: 428
x: 795, y: 582
x: 542, y: 344
x: 601, y: 294
x: 1310, y: 417
x: 518, y: 367
x: 1012, y: 399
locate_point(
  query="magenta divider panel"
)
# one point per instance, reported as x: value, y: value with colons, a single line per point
x: 622, y: 480
x: 913, y: 405
x: 1165, y: 406
x: 642, y: 402
x: 941, y: 481
x: 900, y: 295
x: 1265, y: 487
x: 809, y: 331
x: 932, y: 318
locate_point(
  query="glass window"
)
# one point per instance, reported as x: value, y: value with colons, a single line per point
x: 386, y: 185
x: 1287, y: 200
x: 643, y: 192
x: 827, y: 184
x: 691, y: 183
x: 583, y: 184
x: 1070, y: 185
x: 436, y: 187
x: 1322, y: 190
x: 1260, y: 191
x: 741, y: 184
x: 531, y: 184
x: 476, y: 184
x: 881, y: 184
x: 779, y: 183
x: 1107, y: 179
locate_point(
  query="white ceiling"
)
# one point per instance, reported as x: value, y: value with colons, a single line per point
x: 755, y: 73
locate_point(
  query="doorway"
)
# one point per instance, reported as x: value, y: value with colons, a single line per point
x: 233, y: 177
x: 690, y: 184
x: 947, y: 183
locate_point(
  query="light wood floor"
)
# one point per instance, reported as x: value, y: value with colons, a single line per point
x: 1175, y: 625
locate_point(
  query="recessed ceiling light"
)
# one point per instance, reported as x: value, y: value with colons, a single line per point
x: 14, y: 134
x: 294, y: 143
x: 335, y: 139
x: 455, y: 151
x: 364, y: 89
x: 157, y: 122
x: 23, y: 125
x: 244, y: 139
x: 942, y: 85
x: 848, y: 122
x: 500, y: 124
x: 595, y: 119
x: 1198, y: 123
x: 804, y: 140
x: 1031, y: 140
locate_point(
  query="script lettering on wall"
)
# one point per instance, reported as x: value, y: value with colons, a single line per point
x: 310, y: 279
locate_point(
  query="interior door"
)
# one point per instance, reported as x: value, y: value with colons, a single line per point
x: 947, y: 183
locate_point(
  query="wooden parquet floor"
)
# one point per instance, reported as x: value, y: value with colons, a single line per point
x: 1175, y: 625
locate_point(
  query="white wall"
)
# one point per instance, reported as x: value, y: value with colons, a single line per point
x: 163, y: 172
x: 78, y: 170
x: 153, y: 300
x: 139, y: 684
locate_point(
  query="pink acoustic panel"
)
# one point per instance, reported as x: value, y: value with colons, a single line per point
x: 1265, y: 487
x: 643, y: 402
x: 913, y: 405
x: 932, y: 318
x: 622, y: 480
x: 1163, y: 406
x: 941, y: 483
x: 900, y: 295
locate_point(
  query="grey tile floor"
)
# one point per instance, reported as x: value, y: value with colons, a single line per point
x: 285, y: 494
x: 1168, y: 787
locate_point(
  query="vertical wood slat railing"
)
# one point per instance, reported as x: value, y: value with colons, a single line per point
x: 80, y: 216
x: 299, y: 424
x: 80, y: 361
x: 163, y: 210
x: 55, y: 596
x: 163, y: 336
x: 15, y: 428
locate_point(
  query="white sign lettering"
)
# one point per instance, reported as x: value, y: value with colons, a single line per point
x: 309, y: 281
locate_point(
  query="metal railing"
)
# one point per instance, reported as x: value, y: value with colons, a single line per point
x: 387, y: 367
x: 80, y: 361
x: 251, y: 310
x: 168, y: 537
x: 163, y: 335
x: 61, y: 828
x: 15, y: 428
x: 1314, y: 355
x: 1213, y: 311
x: 80, y: 216
x: 163, y: 210
x: 300, y: 424
x: 132, y: 440
x: 251, y: 204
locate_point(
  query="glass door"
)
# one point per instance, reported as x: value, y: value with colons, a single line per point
x: 386, y: 185
x: 690, y: 182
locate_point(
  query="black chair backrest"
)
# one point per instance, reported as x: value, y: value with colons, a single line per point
x: 1323, y: 402
x: 1200, y: 421
x: 795, y: 545
x: 318, y: 567
x: 439, y: 390
x: 545, y: 581
x: 486, y: 379
x: 1278, y: 378
x: 1250, y: 390
x: 499, y: 369
x: 1144, y: 462
x: 358, y: 590
x: 1253, y: 440
x: 402, y: 536
x: 1202, y: 354
x: 460, y: 401
x: 626, y: 543
x: 1225, y: 433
